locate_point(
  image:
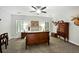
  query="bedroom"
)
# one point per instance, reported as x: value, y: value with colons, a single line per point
x: 12, y: 15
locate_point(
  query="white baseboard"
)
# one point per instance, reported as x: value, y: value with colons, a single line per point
x: 74, y: 43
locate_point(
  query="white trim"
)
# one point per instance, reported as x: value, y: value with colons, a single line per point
x: 74, y: 43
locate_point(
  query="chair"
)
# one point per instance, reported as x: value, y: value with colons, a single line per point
x: 3, y: 40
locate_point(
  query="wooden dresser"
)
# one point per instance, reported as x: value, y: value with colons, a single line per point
x: 63, y: 30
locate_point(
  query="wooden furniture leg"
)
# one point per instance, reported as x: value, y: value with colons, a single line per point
x: 0, y: 49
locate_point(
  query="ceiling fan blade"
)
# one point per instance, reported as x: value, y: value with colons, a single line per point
x: 43, y: 8
x: 32, y: 11
x: 43, y: 11
x: 34, y: 7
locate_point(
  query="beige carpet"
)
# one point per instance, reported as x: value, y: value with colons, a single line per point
x: 56, y: 46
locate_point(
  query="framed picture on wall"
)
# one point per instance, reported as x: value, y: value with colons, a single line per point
x: 34, y: 23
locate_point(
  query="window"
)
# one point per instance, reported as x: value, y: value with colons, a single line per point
x: 19, y: 26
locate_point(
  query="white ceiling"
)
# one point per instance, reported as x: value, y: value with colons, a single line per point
x: 52, y: 11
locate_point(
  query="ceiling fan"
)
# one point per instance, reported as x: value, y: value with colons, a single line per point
x: 39, y: 9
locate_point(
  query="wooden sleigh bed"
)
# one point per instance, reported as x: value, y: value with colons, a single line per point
x: 33, y: 38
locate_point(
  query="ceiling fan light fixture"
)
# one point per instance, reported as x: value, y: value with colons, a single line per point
x: 38, y: 11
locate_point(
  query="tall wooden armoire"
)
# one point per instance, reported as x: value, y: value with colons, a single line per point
x: 63, y: 30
